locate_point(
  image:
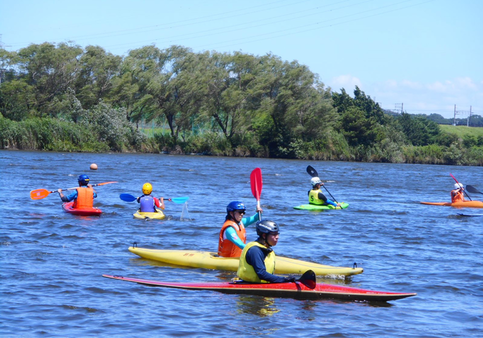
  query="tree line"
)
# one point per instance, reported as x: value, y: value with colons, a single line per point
x: 67, y: 98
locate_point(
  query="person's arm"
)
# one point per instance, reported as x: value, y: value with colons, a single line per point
x: 256, y: 258
x: 159, y: 202
x: 232, y: 236
x: 250, y: 220
x: 68, y: 198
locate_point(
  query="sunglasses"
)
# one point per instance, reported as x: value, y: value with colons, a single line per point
x: 241, y: 212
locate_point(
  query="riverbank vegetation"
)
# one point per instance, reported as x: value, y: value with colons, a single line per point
x: 66, y: 98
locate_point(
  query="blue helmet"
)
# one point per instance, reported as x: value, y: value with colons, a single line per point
x: 83, y: 179
x: 235, y: 205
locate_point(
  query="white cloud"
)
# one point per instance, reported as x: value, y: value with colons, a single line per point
x: 438, y: 97
x: 348, y: 82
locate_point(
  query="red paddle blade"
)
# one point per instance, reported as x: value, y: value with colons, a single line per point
x: 256, y: 182
x: 39, y: 194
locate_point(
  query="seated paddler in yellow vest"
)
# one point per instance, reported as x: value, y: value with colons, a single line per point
x: 83, y: 196
x: 316, y: 196
x: 257, y: 261
x: 233, y: 236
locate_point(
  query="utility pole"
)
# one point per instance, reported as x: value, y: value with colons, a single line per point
x: 468, y: 120
x: 454, y: 116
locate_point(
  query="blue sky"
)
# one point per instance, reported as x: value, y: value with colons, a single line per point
x: 424, y: 54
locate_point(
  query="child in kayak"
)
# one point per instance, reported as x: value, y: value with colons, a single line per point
x: 232, y: 236
x: 316, y: 196
x: 457, y: 195
x: 148, y: 203
x: 257, y: 261
x: 83, y: 196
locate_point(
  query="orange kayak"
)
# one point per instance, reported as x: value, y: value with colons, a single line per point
x: 465, y: 204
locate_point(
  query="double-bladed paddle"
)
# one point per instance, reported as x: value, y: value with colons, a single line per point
x: 39, y: 194
x: 472, y: 189
x: 312, y: 172
x: 463, y: 189
x: 257, y: 185
x: 131, y: 198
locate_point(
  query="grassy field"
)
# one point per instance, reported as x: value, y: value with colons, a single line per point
x: 461, y: 131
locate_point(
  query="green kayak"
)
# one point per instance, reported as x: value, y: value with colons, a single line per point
x: 314, y: 207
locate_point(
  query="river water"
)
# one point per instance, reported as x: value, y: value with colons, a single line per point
x: 52, y: 262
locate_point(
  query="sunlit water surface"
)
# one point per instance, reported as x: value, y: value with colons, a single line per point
x: 52, y: 262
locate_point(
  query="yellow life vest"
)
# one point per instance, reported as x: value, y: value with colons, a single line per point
x: 314, y: 197
x: 246, y: 272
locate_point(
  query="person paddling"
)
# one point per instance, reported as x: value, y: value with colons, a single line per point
x: 316, y: 196
x: 83, y: 196
x: 257, y: 261
x: 457, y: 194
x: 148, y: 203
x: 232, y: 236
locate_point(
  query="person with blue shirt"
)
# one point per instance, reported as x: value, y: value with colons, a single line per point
x: 83, y: 196
x: 232, y: 236
x: 316, y: 196
x: 257, y: 260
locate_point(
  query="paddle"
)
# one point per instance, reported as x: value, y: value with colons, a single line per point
x: 472, y: 189
x: 463, y: 190
x: 308, y: 279
x: 257, y: 185
x: 39, y: 194
x: 131, y: 198
x: 312, y: 172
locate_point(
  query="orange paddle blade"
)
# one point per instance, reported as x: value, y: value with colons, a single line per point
x: 98, y: 184
x: 39, y: 194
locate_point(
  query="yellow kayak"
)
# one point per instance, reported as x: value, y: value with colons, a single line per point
x: 149, y: 215
x: 210, y: 260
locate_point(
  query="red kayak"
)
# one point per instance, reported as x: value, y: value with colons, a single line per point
x: 68, y: 207
x: 465, y: 204
x: 290, y: 290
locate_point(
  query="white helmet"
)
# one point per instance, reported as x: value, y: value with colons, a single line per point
x: 315, y: 180
x: 458, y: 186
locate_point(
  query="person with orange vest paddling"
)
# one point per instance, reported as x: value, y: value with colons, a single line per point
x: 232, y: 238
x: 83, y: 196
x: 457, y: 195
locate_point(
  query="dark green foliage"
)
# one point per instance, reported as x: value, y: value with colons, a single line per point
x: 63, y: 97
x: 419, y: 131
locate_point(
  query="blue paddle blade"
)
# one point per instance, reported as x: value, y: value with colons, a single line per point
x: 127, y: 197
x: 179, y: 200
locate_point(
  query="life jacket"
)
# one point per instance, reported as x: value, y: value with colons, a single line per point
x: 147, y: 203
x: 457, y: 196
x: 85, y: 198
x: 246, y: 272
x: 314, y: 197
x: 227, y: 248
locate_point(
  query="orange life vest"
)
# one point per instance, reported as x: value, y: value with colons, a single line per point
x: 227, y: 248
x: 457, y: 196
x: 85, y: 198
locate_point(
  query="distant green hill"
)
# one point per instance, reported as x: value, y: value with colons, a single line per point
x: 462, y: 131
